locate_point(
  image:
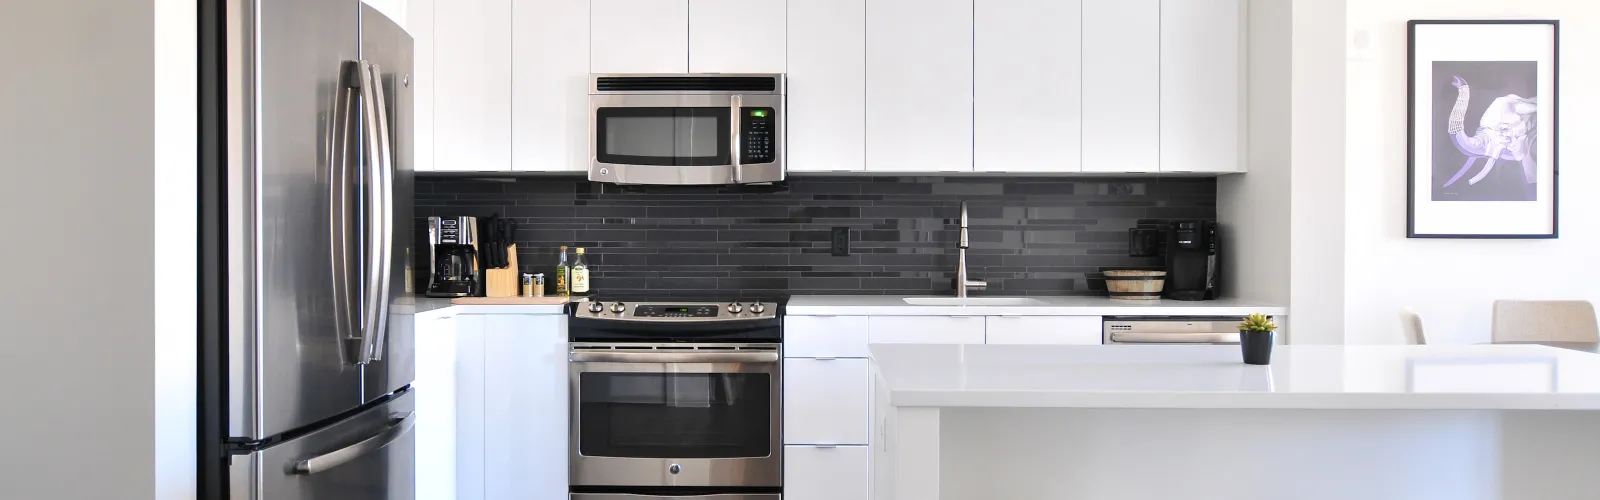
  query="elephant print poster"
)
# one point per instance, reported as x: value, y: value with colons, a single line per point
x: 1487, y: 110
x: 1483, y: 140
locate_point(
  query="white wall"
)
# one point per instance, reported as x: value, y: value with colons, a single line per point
x: 1453, y: 282
x: 84, y: 413
x: 1255, y: 235
x: 1284, y: 219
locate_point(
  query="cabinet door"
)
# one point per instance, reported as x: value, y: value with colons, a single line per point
x: 1027, y: 92
x: 472, y: 85
x: 827, y: 71
x: 419, y: 23
x: 925, y: 329
x: 470, y: 400
x: 639, y: 36
x: 825, y: 337
x: 919, y: 85
x: 1042, y: 330
x: 736, y: 36
x: 1201, y: 86
x: 436, y: 407
x: 825, y: 473
x: 526, y: 413
x: 1121, y: 85
x: 550, y: 86
x: 826, y: 401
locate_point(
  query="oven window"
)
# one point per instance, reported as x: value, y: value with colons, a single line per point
x: 675, y: 415
x: 663, y: 136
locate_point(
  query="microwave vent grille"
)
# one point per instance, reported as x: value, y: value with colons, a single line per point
x: 692, y: 83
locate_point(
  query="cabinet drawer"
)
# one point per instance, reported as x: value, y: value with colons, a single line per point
x: 925, y: 330
x: 1065, y: 330
x: 825, y: 337
x: 825, y: 473
x: 826, y: 401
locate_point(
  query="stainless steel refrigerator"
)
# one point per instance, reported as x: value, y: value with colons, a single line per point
x: 312, y: 380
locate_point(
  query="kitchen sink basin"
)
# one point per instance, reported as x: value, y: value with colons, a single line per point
x: 972, y: 301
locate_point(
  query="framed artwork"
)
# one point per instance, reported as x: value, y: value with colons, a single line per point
x: 1482, y: 124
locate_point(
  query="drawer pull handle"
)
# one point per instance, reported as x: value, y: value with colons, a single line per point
x: 824, y: 359
x: 828, y: 446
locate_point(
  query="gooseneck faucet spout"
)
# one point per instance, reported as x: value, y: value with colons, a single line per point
x: 963, y: 284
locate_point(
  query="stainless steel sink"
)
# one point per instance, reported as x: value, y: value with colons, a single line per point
x: 972, y: 301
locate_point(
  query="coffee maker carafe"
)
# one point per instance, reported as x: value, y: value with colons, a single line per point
x: 452, y: 257
x: 1191, y: 260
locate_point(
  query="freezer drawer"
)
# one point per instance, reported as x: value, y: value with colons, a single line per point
x: 369, y: 456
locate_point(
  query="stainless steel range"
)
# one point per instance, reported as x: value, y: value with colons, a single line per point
x: 676, y: 399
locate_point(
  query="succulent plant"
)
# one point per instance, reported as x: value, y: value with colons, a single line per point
x: 1258, y: 323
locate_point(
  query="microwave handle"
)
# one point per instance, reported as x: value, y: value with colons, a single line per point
x: 734, y: 136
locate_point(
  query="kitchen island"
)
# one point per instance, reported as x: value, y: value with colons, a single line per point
x: 999, y: 422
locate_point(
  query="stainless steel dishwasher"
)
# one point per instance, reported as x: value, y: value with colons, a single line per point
x: 1170, y: 330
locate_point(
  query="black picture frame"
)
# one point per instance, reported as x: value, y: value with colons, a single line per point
x: 1553, y: 109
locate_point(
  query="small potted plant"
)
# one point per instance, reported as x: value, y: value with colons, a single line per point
x: 1255, y: 339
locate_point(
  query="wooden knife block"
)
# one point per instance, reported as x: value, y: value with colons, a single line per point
x: 503, y: 282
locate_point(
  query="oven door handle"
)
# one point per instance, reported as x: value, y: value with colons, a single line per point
x: 674, y: 357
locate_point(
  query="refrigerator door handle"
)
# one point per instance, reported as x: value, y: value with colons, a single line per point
x: 374, y: 294
x: 386, y: 176
x: 345, y: 294
x: 399, y: 425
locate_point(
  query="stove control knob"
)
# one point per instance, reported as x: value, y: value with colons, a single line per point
x: 735, y: 308
x: 618, y: 308
x: 758, y: 308
x: 596, y: 307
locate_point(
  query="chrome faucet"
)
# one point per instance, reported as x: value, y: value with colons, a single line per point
x: 962, y: 283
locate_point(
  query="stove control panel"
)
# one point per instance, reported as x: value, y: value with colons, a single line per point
x: 677, y: 312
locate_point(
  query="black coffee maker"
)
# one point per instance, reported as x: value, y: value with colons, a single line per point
x: 1191, y: 260
x: 452, y: 257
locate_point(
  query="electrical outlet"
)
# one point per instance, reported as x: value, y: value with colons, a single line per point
x: 841, y: 241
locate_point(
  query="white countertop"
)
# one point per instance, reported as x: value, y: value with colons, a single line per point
x: 894, y: 305
x: 1489, y: 377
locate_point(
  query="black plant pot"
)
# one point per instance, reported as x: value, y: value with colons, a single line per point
x: 1256, y: 346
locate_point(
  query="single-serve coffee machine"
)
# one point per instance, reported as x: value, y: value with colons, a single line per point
x: 452, y: 257
x: 1191, y: 260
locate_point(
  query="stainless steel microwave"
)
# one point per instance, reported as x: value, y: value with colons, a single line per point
x: 688, y: 129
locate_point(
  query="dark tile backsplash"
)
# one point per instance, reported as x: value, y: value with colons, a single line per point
x: 1036, y: 236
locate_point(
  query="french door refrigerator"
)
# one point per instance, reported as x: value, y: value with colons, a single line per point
x: 309, y: 384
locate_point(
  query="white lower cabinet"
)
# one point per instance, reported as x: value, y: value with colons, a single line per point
x: 510, y: 407
x: 825, y: 337
x: 436, y: 407
x: 1042, y: 330
x: 826, y: 401
x: 826, y: 473
x: 925, y: 329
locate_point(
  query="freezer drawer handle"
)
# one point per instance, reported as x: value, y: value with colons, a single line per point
x: 400, y: 424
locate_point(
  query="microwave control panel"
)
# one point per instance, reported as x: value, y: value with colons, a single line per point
x: 757, y: 131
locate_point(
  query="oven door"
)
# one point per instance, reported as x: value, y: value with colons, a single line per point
x: 686, y: 139
x: 699, y: 415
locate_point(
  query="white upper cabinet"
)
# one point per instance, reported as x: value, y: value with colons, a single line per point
x: 419, y: 22
x: 919, y: 85
x: 1027, y: 85
x: 550, y: 86
x: 472, y: 85
x: 1202, y: 86
x: 639, y: 36
x: 827, y: 67
x: 1122, y: 85
x: 736, y: 36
